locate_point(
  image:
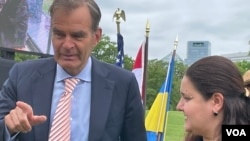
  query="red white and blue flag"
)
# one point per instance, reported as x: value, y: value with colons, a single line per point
x: 120, y: 55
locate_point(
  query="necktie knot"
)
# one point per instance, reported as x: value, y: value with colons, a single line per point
x: 70, y: 84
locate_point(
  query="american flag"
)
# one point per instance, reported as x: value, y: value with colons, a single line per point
x: 120, y: 55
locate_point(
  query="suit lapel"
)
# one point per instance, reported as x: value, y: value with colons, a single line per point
x: 42, y: 90
x: 101, y: 97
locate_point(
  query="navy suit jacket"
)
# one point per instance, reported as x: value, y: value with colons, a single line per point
x: 116, y: 109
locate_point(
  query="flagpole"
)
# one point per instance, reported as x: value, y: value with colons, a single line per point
x: 145, y: 65
x: 118, y: 15
x: 156, y: 119
x: 170, y: 88
x: 173, y: 56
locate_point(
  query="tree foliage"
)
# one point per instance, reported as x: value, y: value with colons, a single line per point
x: 106, y: 51
x: 243, y: 66
x: 179, y: 71
x: 19, y: 57
x: 157, y: 72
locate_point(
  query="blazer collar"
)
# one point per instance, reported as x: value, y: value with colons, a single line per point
x: 42, y: 90
x: 101, y: 97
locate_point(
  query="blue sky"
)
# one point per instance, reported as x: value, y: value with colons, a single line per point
x: 225, y: 23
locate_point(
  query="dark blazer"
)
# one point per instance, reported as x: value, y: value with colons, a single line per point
x: 5, y: 66
x: 116, y: 108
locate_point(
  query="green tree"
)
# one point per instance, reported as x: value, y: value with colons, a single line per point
x: 179, y: 71
x: 128, y: 62
x: 243, y: 66
x: 156, y: 74
x: 157, y: 71
x: 106, y: 51
x: 19, y: 57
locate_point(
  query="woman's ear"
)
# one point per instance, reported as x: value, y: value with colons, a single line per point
x: 218, y: 101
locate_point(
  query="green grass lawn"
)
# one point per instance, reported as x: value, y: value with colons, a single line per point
x: 175, y: 126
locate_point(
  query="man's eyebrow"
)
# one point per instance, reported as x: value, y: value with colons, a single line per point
x: 56, y: 30
x: 72, y: 33
x: 79, y: 34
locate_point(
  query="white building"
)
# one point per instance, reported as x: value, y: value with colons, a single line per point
x: 237, y: 57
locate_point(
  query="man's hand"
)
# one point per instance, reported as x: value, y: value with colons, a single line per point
x: 21, y: 119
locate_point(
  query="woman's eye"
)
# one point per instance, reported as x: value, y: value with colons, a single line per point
x: 187, y: 98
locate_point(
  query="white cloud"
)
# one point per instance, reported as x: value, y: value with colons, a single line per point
x: 225, y: 23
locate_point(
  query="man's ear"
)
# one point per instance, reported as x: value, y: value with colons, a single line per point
x: 218, y: 101
x: 98, y: 35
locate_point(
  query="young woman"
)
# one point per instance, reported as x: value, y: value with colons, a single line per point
x: 212, y: 94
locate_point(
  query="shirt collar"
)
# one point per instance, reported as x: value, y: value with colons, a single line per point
x: 84, y: 75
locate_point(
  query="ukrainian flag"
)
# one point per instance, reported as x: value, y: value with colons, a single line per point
x: 156, y: 119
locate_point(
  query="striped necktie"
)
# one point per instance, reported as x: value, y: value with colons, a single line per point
x: 60, y: 129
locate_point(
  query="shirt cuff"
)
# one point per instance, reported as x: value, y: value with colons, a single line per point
x: 8, y: 137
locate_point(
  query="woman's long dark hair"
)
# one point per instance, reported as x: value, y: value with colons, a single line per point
x: 218, y: 74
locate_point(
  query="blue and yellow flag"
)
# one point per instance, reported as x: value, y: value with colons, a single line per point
x: 156, y: 118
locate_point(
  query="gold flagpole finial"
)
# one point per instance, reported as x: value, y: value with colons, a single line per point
x: 147, y: 28
x: 176, y: 42
x: 118, y: 15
